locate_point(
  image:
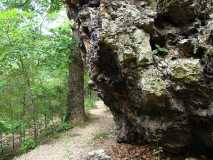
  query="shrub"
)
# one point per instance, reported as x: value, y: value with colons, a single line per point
x: 159, y: 51
x: 27, y: 145
x: 64, y: 127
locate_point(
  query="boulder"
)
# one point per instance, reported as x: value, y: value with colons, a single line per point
x: 152, y: 66
x: 98, y: 155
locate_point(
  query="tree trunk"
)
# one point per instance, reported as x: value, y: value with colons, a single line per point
x: 29, y: 93
x: 75, y: 101
x: 1, y: 142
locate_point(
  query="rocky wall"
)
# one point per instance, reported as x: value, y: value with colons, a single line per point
x: 152, y: 64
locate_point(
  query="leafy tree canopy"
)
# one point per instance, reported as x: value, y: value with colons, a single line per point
x: 33, y: 5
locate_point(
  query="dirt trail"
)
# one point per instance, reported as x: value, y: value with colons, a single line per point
x: 76, y: 143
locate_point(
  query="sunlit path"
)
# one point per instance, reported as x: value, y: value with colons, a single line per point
x: 76, y: 143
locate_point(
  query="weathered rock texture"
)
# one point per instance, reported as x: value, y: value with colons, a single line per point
x: 98, y: 155
x: 152, y: 64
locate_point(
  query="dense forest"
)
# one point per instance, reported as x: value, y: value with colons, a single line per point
x: 35, y: 54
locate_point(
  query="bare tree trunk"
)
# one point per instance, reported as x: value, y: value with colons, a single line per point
x: 29, y: 93
x: 75, y: 98
x: 1, y: 142
x: 13, y: 140
x: 75, y: 101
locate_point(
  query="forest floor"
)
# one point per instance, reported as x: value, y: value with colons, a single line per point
x: 96, y: 134
x: 75, y: 144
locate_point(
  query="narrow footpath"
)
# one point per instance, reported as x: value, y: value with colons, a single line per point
x: 79, y: 141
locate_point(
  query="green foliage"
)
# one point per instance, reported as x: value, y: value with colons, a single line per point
x: 32, y: 5
x: 24, y: 4
x: 160, y: 51
x: 52, y: 15
x: 27, y: 145
x: 64, y: 127
x: 34, y: 73
x: 209, y: 51
x: 7, y: 127
x: 89, y: 101
x: 3, y: 127
x: 55, y: 5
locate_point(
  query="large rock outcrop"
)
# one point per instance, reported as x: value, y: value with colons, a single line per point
x: 152, y: 64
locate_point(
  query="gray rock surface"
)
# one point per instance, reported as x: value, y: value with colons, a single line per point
x: 152, y: 64
x: 98, y: 155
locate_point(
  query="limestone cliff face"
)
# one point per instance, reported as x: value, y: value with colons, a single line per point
x: 152, y: 64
